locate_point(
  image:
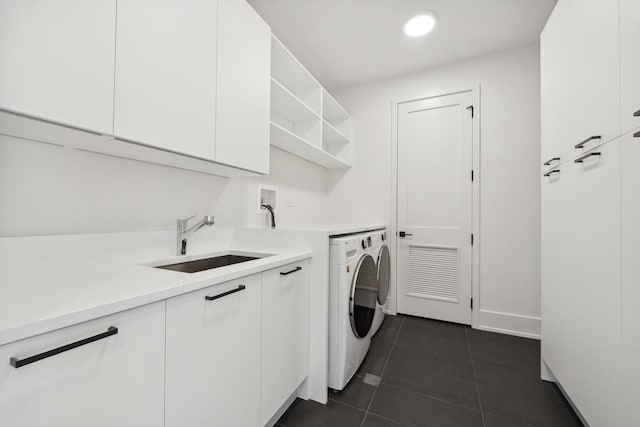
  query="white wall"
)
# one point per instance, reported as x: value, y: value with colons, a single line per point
x: 46, y: 189
x: 509, y: 234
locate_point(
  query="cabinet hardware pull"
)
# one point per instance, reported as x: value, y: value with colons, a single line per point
x: 289, y: 272
x: 552, y: 172
x: 224, y: 294
x: 548, y: 162
x: 637, y: 134
x: 636, y: 114
x: 583, y: 143
x: 404, y: 234
x: 582, y: 158
x: 16, y: 363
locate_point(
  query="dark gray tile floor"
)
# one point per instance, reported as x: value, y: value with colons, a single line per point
x: 442, y: 374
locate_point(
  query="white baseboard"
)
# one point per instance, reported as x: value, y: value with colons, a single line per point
x: 508, y: 323
x: 545, y: 373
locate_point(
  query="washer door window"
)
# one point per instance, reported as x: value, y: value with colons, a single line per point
x: 364, y: 292
x: 384, y: 274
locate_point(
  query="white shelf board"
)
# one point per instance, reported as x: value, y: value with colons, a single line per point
x: 288, y: 105
x: 331, y: 135
x: 286, y: 68
x: 331, y: 110
x: 292, y: 143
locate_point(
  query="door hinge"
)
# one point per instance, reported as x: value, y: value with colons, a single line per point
x: 470, y: 107
x: 471, y: 175
x: 471, y: 239
x: 471, y: 303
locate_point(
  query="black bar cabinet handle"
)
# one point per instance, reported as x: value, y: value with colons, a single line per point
x: 16, y: 363
x: 591, y: 138
x: 582, y: 158
x: 637, y: 134
x: 636, y: 114
x: 548, y: 162
x: 224, y: 294
x: 286, y: 273
x: 552, y: 172
x: 404, y: 234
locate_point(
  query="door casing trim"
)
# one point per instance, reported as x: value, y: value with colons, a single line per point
x: 475, y: 194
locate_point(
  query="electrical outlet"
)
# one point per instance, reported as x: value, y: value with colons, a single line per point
x: 289, y: 203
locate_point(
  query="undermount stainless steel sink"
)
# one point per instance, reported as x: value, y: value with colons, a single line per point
x: 208, y: 263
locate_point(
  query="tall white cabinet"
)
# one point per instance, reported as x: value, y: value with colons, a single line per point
x: 630, y: 294
x: 590, y: 207
x: 630, y: 64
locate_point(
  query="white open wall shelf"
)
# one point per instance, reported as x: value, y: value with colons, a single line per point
x: 305, y: 119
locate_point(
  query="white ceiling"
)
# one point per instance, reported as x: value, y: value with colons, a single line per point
x: 346, y: 42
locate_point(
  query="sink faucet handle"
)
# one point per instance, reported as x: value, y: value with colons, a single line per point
x: 187, y: 219
x: 184, y: 222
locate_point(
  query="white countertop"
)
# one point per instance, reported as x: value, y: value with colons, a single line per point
x: 33, y: 303
x: 334, y: 229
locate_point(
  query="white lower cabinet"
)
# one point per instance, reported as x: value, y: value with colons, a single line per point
x: 227, y: 355
x: 285, y: 334
x: 116, y: 380
x: 213, y: 356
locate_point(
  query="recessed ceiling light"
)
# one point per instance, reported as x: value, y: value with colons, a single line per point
x: 420, y: 25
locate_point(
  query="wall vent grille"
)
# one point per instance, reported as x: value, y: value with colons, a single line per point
x: 433, y: 273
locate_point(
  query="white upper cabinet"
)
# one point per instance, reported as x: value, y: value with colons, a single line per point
x: 595, y: 71
x: 243, y: 98
x: 165, y: 84
x: 57, y: 59
x: 630, y: 63
x: 555, y: 94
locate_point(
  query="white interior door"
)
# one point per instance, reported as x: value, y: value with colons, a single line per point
x: 435, y: 207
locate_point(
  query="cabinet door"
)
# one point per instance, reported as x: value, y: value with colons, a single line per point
x: 595, y: 312
x: 213, y: 356
x: 114, y: 381
x: 630, y: 228
x: 285, y: 334
x: 630, y: 63
x: 165, y: 83
x: 244, y: 70
x: 595, y: 70
x: 555, y: 78
x: 558, y: 263
x: 57, y: 60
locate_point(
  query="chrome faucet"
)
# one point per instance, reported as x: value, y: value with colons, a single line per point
x: 184, y: 232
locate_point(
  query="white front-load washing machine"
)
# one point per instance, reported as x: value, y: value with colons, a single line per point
x: 353, y: 293
x: 380, y: 252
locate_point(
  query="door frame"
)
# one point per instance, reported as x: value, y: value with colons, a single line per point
x: 475, y: 194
